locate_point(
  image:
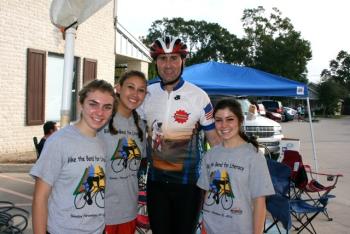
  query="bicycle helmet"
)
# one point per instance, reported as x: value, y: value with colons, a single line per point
x: 168, y: 45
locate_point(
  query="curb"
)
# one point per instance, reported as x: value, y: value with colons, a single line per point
x: 9, y: 167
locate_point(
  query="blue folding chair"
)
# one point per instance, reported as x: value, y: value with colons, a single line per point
x: 282, y: 208
x: 278, y: 204
x: 304, y: 213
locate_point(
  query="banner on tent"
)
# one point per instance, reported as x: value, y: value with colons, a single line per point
x: 300, y: 90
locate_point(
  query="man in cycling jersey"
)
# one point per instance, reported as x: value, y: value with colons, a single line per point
x: 175, y: 111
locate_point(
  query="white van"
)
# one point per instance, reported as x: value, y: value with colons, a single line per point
x: 267, y: 131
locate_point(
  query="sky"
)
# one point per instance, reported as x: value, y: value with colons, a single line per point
x: 325, y: 23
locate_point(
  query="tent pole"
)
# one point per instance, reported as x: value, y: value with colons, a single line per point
x: 312, y: 134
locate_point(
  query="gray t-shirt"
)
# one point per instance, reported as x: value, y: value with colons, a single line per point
x: 124, y: 153
x: 232, y: 177
x: 73, y: 164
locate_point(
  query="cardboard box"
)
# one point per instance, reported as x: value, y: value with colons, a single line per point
x: 288, y: 144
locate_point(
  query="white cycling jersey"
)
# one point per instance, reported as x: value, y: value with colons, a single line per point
x: 174, y: 119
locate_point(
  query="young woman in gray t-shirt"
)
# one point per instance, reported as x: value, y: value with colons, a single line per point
x: 69, y: 175
x: 125, y: 141
x: 235, y: 177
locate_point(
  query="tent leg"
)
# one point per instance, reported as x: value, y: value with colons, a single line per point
x: 312, y: 134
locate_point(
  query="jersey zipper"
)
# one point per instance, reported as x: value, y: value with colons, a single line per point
x: 167, y: 113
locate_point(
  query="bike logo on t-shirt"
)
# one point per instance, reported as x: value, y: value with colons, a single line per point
x: 220, y: 191
x: 91, y: 188
x: 127, y: 154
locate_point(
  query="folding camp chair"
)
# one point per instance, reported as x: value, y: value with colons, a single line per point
x: 278, y: 204
x: 317, y: 193
x: 282, y: 207
x: 142, y: 221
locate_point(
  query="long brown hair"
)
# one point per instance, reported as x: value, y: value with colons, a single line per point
x: 135, y: 115
x: 235, y: 107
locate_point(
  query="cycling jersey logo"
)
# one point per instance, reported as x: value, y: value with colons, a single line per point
x: 208, y: 110
x: 157, y: 135
x: 91, y: 188
x: 181, y: 116
x: 220, y: 190
x: 126, y: 154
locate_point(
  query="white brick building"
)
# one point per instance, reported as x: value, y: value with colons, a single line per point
x: 25, y: 26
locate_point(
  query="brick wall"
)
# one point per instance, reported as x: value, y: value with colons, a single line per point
x: 26, y: 24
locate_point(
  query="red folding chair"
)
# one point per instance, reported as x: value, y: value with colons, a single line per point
x: 142, y: 221
x: 305, y: 181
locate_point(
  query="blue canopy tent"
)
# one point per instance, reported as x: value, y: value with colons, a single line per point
x: 227, y: 79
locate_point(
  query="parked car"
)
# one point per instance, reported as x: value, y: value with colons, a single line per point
x: 274, y: 116
x: 273, y: 106
x: 267, y: 131
x: 274, y: 110
x: 289, y: 113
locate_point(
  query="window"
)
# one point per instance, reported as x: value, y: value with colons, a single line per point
x: 44, y: 92
x: 54, y: 86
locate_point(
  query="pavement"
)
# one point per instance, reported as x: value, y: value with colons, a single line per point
x: 332, y: 137
x: 13, y: 167
x: 22, y: 162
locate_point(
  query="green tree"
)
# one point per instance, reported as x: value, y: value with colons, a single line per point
x: 335, y: 81
x: 330, y: 91
x: 273, y: 45
x: 269, y: 44
x: 205, y: 41
x: 339, y: 70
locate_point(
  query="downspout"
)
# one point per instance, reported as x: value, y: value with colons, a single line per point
x: 67, y: 75
x: 115, y: 20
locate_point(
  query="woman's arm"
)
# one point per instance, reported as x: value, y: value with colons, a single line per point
x: 212, y: 137
x: 259, y: 214
x: 42, y: 192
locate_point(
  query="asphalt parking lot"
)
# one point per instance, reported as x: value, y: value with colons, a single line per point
x: 332, y: 138
x: 332, y: 149
x: 18, y: 189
